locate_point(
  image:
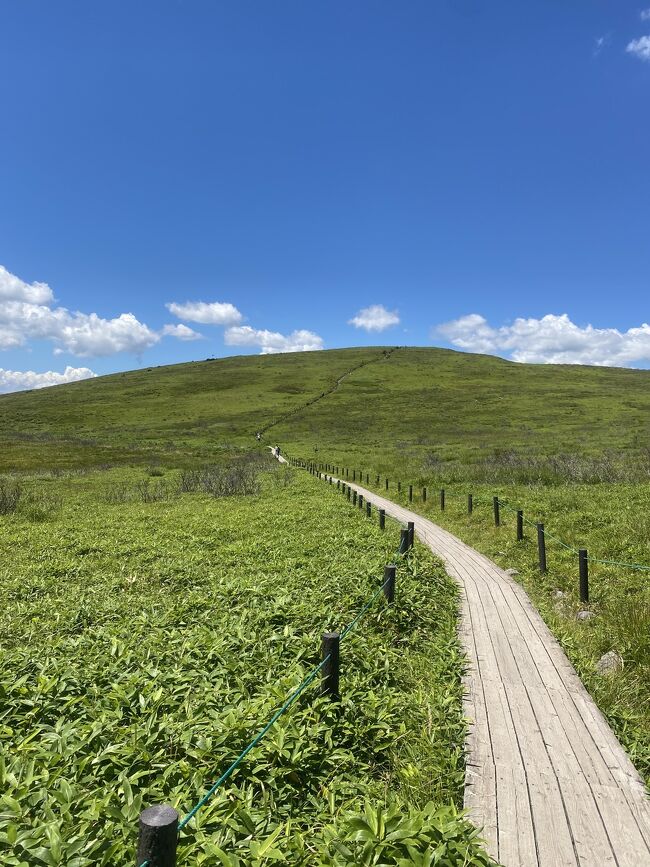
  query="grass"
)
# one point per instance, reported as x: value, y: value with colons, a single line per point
x: 118, y: 573
x: 145, y: 643
x: 412, y: 409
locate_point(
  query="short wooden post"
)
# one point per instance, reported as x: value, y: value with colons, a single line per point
x: 403, y: 541
x: 354, y: 475
x: 497, y: 517
x: 389, y: 583
x: 424, y: 495
x: 442, y: 500
x: 584, y: 575
x: 354, y: 498
x: 470, y: 504
x: 368, y: 509
x: 349, y: 493
x: 360, y: 501
x: 382, y: 519
x: 386, y: 484
x: 541, y: 547
x: 399, y: 487
x: 377, y: 482
x: 410, y: 493
x: 520, y: 525
x: 330, y: 670
x: 367, y: 478
x: 158, y: 836
x: 411, y: 529
x: 338, y: 484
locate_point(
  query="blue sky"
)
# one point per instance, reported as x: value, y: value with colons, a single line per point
x: 321, y: 174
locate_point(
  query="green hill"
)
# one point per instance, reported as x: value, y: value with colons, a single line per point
x: 418, y: 410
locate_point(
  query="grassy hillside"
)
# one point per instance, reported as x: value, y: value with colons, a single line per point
x: 424, y: 411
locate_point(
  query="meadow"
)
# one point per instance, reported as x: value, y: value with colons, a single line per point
x: 148, y: 633
x: 155, y: 618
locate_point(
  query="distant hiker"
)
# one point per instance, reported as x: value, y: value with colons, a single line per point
x: 259, y: 436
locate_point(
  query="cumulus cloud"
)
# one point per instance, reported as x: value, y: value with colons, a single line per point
x: 21, y: 380
x: 645, y: 15
x: 214, y: 313
x: 12, y: 288
x: 640, y: 47
x: 27, y: 312
x: 271, y: 342
x: 550, y: 340
x: 182, y: 332
x: 374, y: 318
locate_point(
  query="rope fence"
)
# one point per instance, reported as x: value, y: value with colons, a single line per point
x: 160, y: 825
x: 384, y: 484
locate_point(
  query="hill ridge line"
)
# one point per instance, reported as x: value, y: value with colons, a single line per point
x: 546, y: 778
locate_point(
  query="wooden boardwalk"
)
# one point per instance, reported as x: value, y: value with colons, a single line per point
x: 546, y: 780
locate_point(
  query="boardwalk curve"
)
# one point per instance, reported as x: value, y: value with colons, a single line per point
x: 546, y: 777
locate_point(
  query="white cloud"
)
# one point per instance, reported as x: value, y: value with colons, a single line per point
x: 27, y: 313
x: 215, y: 313
x: 182, y: 332
x: 12, y: 288
x: 644, y: 14
x: 640, y: 47
x: 375, y: 318
x: 20, y: 380
x: 272, y: 341
x: 550, y: 340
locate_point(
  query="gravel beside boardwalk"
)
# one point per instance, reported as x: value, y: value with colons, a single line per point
x: 546, y: 779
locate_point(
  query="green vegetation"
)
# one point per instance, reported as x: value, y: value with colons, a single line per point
x: 151, y: 627
x: 416, y: 411
x: 146, y: 640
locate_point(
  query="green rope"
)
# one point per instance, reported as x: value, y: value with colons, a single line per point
x: 368, y: 604
x: 276, y: 716
x: 618, y: 563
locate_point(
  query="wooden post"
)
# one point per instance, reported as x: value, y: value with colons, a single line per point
x: 541, y: 548
x: 520, y: 525
x: 386, y: 484
x: 403, y: 541
x: 158, y: 836
x: 389, y: 583
x: 424, y: 495
x: 367, y: 478
x: 497, y: 517
x: 382, y: 519
x: 354, y: 475
x: 330, y: 671
x: 399, y: 487
x: 338, y: 484
x: 360, y: 501
x: 411, y: 529
x: 410, y: 493
x: 377, y: 482
x: 470, y: 504
x: 442, y: 500
x: 368, y: 509
x: 354, y: 498
x: 584, y: 575
x: 349, y: 493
